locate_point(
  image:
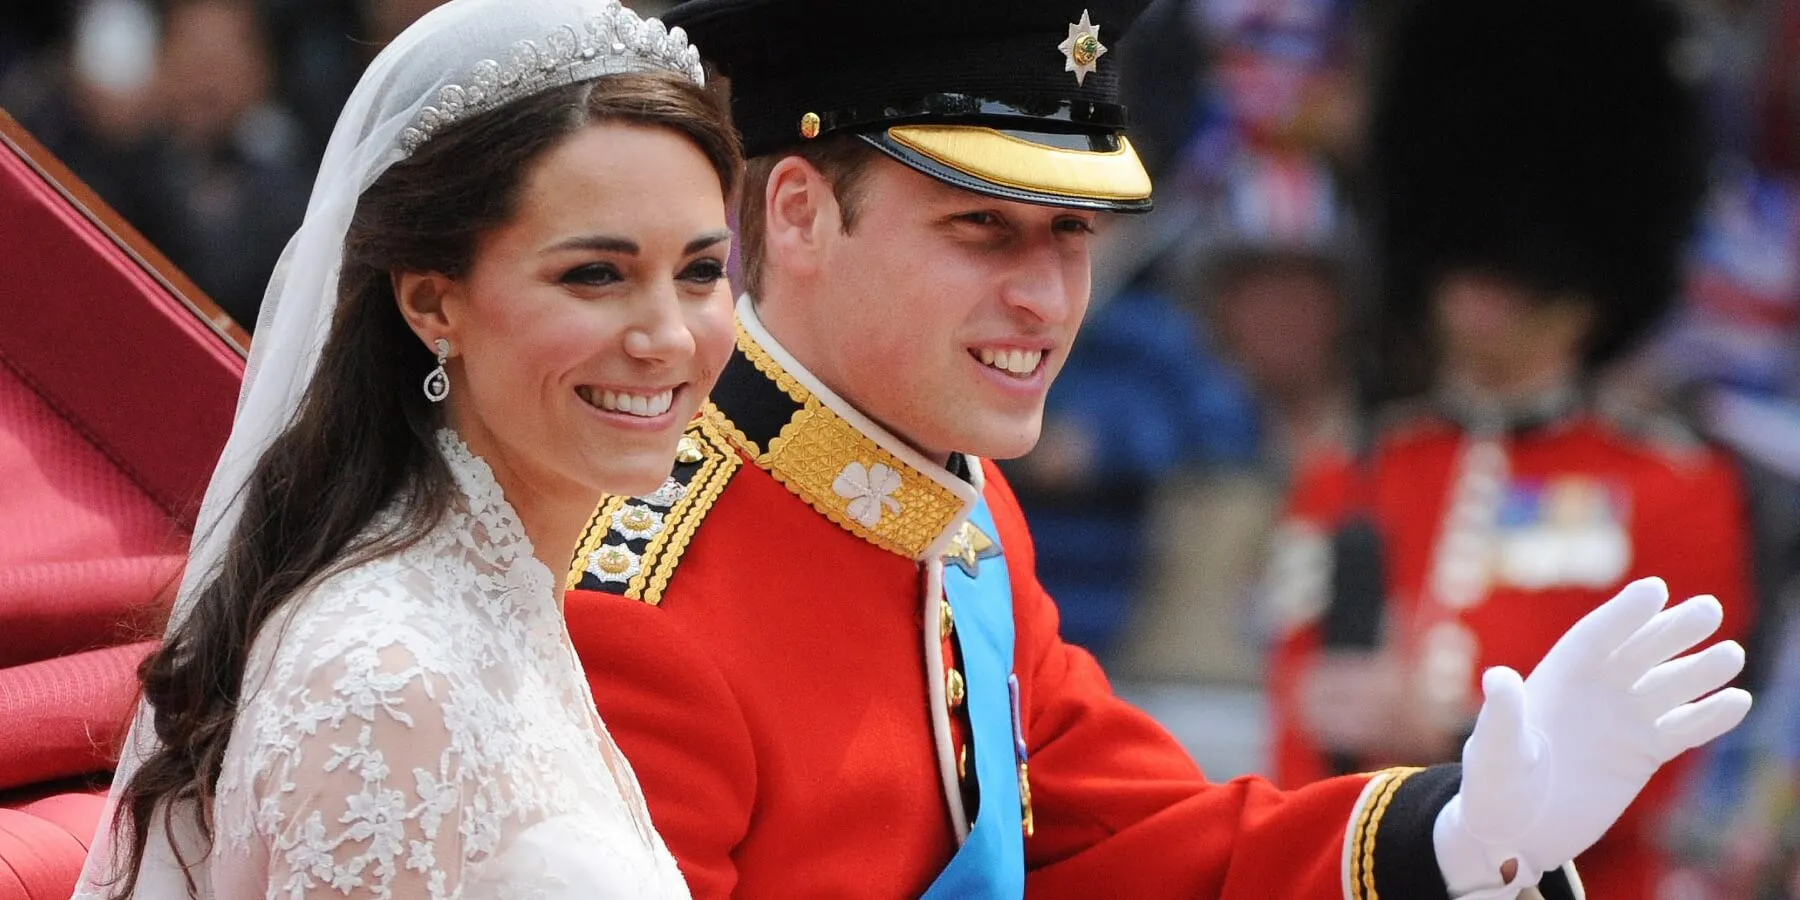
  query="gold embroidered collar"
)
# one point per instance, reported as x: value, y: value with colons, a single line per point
x: 849, y: 469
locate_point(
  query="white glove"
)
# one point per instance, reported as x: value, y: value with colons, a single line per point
x: 1555, y: 759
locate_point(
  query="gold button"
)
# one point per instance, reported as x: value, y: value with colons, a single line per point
x: 1026, y: 819
x: 809, y: 126
x: 954, y: 689
x: 946, y: 620
x: 688, y: 451
x: 962, y: 762
x: 1087, y: 49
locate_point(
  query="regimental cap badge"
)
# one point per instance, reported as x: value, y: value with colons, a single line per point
x: 1082, y: 50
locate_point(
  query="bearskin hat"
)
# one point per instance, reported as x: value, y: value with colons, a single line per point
x: 1545, y: 140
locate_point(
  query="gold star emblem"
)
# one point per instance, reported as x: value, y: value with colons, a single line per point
x: 969, y: 548
x: 1082, y: 51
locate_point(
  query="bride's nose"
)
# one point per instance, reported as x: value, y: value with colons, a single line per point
x: 658, y: 331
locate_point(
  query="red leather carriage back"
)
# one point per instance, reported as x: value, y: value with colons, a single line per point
x: 118, y: 380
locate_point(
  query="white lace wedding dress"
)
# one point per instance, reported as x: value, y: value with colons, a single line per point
x: 419, y: 727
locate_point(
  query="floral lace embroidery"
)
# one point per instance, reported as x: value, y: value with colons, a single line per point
x: 409, y: 722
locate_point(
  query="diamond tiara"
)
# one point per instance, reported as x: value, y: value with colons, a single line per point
x: 608, y: 43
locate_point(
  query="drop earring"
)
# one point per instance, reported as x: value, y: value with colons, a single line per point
x: 437, y: 382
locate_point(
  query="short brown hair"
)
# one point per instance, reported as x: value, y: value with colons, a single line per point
x: 843, y: 160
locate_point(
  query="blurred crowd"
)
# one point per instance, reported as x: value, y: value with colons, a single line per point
x: 1233, y: 342
x: 200, y: 121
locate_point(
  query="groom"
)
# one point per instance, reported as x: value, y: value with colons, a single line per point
x: 822, y: 645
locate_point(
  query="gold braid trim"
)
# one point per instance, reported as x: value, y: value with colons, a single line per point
x: 817, y: 444
x: 592, y: 537
x: 722, y: 424
x: 1367, y: 824
x: 685, y: 516
x: 702, y: 484
x: 771, y: 369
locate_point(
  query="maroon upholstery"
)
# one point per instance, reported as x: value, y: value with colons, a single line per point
x: 40, y: 858
x: 116, y: 395
x: 66, y: 715
x: 73, y: 812
x: 55, y: 609
x: 106, y: 346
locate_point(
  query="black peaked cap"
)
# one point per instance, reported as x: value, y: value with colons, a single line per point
x: 801, y: 69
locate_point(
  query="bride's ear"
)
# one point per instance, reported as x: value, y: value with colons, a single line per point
x: 424, y: 298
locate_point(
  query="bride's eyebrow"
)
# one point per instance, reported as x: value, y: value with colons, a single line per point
x: 706, y: 240
x: 612, y: 244
x: 602, y: 242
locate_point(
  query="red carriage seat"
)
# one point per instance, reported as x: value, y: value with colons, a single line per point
x: 117, y: 384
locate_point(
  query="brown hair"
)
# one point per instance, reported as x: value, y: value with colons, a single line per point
x: 843, y: 159
x: 363, y: 435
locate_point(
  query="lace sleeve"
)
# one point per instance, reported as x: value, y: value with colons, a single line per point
x: 361, y: 790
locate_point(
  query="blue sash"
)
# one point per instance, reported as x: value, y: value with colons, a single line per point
x: 991, y: 864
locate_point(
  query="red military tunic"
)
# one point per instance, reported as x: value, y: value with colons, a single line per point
x: 763, y: 639
x: 1578, y: 508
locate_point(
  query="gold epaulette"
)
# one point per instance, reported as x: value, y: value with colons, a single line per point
x: 632, y: 545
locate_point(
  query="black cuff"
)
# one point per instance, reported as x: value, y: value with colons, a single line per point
x: 1556, y: 885
x: 1392, y: 853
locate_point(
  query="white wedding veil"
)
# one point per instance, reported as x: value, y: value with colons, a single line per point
x: 462, y: 58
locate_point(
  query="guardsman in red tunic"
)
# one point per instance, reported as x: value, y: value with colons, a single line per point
x: 822, y: 643
x: 1489, y: 549
x: 1482, y: 523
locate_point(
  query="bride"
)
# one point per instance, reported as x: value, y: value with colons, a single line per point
x: 506, y: 299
